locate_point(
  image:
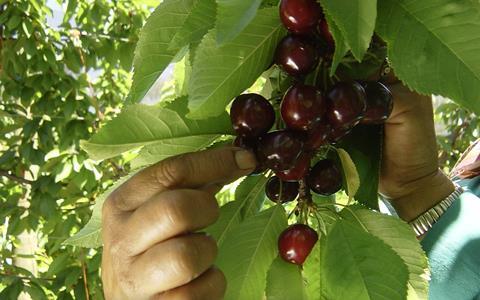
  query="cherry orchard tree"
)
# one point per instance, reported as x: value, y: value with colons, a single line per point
x: 57, y: 86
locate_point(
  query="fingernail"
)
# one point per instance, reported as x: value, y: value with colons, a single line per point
x: 245, y: 160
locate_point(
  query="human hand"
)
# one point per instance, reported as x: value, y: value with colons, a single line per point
x: 410, y: 175
x: 150, y: 248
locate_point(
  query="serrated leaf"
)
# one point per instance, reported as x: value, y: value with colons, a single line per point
x: 141, y: 125
x: 152, y: 54
x: 364, y: 146
x: 249, y: 196
x: 197, y: 24
x: 248, y: 252
x: 357, y: 265
x: 151, y: 154
x: 434, y: 46
x: 90, y: 236
x: 285, y: 281
x: 356, y: 21
x: 401, y: 238
x: 351, y: 175
x: 311, y: 272
x: 341, y: 47
x: 220, y: 74
x: 233, y: 16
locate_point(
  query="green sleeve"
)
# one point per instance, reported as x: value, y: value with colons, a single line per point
x: 453, y: 248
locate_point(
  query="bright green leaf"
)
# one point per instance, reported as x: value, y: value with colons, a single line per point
x: 248, y: 252
x: 434, y: 46
x: 341, y: 47
x: 252, y: 191
x: 140, y: 125
x: 357, y: 265
x: 350, y: 171
x: 285, y: 281
x: 311, y: 272
x: 233, y: 16
x: 356, y: 20
x: 152, y: 54
x: 220, y: 74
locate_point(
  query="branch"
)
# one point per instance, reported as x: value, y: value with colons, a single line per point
x: 15, y: 178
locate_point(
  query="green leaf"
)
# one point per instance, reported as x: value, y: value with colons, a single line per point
x: 198, y: 22
x: 233, y: 16
x: 434, y: 46
x: 364, y: 146
x: 357, y: 265
x: 356, y: 20
x: 153, y: 54
x: 248, y: 252
x: 401, y: 238
x: 350, y: 171
x: 90, y: 236
x: 285, y: 281
x: 311, y: 272
x: 252, y: 191
x: 151, y: 154
x: 141, y: 125
x: 220, y: 74
x: 341, y: 47
x: 249, y: 196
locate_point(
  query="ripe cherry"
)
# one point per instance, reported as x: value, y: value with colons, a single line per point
x: 279, y: 150
x: 252, y: 145
x: 325, y: 34
x: 300, y: 169
x: 296, y: 55
x: 288, y: 190
x: 296, y: 242
x: 337, y: 134
x: 300, y: 16
x: 318, y: 136
x: 347, y: 104
x: 302, y: 106
x: 251, y: 115
x: 325, y: 178
x: 379, y: 103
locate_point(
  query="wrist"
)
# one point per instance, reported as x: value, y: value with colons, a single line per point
x: 429, y: 191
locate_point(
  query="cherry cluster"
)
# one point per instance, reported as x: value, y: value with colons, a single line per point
x: 312, y: 120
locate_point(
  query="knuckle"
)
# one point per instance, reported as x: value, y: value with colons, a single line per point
x: 186, y: 259
x: 171, y: 172
x: 173, y: 211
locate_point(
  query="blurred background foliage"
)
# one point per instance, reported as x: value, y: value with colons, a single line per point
x: 64, y: 70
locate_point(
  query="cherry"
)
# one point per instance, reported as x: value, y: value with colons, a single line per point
x: 251, y: 115
x: 296, y: 242
x: 379, y: 103
x: 296, y: 55
x: 325, y: 178
x: 300, y: 16
x: 299, y: 171
x: 347, y: 104
x: 279, y: 150
x: 337, y: 134
x: 318, y: 136
x: 325, y: 34
x: 302, y: 106
x: 289, y: 190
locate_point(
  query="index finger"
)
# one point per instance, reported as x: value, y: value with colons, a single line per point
x: 191, y: 170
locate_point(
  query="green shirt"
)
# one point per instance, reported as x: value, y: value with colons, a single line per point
x: 453, y: 248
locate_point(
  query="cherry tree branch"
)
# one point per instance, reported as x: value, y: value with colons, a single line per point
x: 15, y: 178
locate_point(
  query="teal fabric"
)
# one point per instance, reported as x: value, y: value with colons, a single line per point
x: 453, y: 248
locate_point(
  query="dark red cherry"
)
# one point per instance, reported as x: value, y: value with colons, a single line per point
x: 346, y: 101
x: 300, y: 16
x: 325, y: 178
x: 299, y: 171
x: 296, y: 55
x: 296, y: 242
x: 279, y: 150
x: 302, y: 106
x: 318, y: 136
x: 337, y: 134
x: 286, y: 193
x: 251, y: 115
x: 325, y: 34
x: 379, y: 103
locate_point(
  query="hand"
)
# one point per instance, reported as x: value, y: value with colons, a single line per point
x: 410, y: 175
x: 150, y: 248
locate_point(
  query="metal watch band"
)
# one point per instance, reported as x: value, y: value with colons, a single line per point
x: 426, y: 220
